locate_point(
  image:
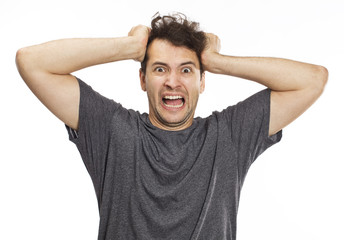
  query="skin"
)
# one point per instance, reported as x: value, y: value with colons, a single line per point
x: 47, y: 68
x: 295, y: 86
x: 171, y: 71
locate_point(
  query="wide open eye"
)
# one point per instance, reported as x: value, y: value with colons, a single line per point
x: 159, y: 69
x: 186, y: 70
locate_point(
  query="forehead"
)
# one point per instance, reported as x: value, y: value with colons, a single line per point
x: 164, y: 51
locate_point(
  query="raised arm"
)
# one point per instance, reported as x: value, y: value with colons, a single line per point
x: 47, y: 68
x: 294, y: 85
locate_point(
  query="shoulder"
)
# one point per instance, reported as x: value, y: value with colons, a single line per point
x: 258, y: 102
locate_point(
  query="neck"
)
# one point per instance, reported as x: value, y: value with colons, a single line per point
x: 170, y: 126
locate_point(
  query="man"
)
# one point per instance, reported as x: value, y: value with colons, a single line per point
x: 166, y: 174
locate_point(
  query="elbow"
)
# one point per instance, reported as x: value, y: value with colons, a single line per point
x: 323, y: 75
x: 21, y: 57
x: 320, y: 78
x: 24, y: 62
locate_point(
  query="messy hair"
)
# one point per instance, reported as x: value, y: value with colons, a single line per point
x: 179, y: 31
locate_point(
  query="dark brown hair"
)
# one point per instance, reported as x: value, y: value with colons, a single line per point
x: 179, y: 31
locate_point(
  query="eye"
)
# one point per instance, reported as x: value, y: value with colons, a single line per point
x: 186, y: 70
x: 159, y: 69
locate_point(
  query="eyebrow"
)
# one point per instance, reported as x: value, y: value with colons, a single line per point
x: 187, y: 63
x: 160, y: 63
x: 182, y: 64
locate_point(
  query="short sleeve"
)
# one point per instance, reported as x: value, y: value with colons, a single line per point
x: 249, y: 122
x: 93, y: 135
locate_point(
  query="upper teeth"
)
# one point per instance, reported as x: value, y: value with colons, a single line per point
x: 173, y: 97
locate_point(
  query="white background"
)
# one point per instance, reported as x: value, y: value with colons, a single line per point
x: 293, y: 191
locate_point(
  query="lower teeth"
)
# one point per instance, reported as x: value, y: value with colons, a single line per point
x: 174, y: 106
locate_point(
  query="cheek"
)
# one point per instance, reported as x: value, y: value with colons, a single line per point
x: 196, y: 87
x: 152, y: 88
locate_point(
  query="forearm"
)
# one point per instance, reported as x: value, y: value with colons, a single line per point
x: 69, y: 55
x: 295, y: 85
x: 275, y: 73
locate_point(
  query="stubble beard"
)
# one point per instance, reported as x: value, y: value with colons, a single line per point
x: 161, y: 120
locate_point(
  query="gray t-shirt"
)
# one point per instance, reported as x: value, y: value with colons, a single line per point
x: 157, y: 184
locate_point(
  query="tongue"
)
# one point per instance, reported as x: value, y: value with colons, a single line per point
x: 173, y: 101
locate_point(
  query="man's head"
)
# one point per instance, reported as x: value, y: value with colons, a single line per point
x: 179, y: 32
x: 172, y: 72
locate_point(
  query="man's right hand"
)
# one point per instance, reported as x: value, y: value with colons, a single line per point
x: 141, y: 34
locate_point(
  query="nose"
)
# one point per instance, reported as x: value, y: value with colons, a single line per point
x: 172, y: 80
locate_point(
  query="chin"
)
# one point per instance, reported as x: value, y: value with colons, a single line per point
x: 176, y: 121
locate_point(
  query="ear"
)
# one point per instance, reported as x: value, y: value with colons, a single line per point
x: 142, y: 80
x: 202, y: 86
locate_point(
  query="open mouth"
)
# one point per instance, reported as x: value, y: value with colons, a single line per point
x: 173, y: 101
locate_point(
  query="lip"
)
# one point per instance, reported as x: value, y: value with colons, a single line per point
x: 172, y: 108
